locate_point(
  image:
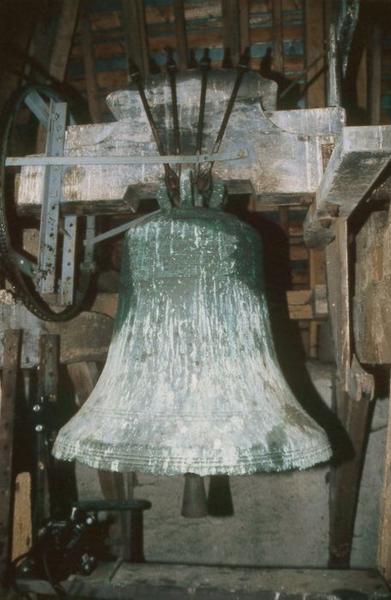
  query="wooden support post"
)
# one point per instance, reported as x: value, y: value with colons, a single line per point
x: 63, y: 41
x: 384, y: 553
x: 314, y: 50
x: 22, y: 532
x: 278, y: 41
x: 90, y: 71
x: 354, y: 390
x: 12, y: 346
x: 316, y: 260
x: 60, y: 53
x: 44, y: 483
x: 180, y: 33
x: 244, y: 21
x: 136, y: 33
x: 231, y: 29
x: 375, y: 75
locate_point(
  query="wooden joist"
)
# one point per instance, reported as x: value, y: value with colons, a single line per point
x: 360, y: 156
x: 89, y: 70
x: 63, y: 41
x: 278, y: 42
x: 231, y: 29
x: 12, y: 344
x: 136, y: 33
x: 180, y: 33
x: 354, y: 391
x: 314, y: 42
x: 384, y: 553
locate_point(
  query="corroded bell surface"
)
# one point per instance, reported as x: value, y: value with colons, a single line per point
x: 192, y: 382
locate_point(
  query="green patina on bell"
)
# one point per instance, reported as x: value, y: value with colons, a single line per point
x: 192, y: 382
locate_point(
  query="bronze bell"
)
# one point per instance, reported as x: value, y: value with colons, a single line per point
x: 191, y: 382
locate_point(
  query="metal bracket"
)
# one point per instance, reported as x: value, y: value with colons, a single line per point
x: 51, y: 200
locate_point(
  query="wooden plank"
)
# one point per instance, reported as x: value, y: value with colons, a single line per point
x: 354, y: 390
x: 45, y: 491
x: 180, y: 33
x: 12, y: 345
x: 278, y: 43
x: 358, y: 159
x: 356, y: 163
x: 375, y: 74
x: 136, y: 33
x: 362, y: 81
x: 314, y: 49
x: 63, y: 41
x: 231, y: 29
x: 89, y: 70
x: 384, y: 550
x: 244, y: 25
x: 22, y: 531
x: 371, y: 307
x: 345, y: 480
x: 337, y: 266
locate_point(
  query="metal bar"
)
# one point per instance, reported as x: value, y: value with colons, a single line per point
x: 67, y: 286
x: 51, y: 200
x: 12, y: 342
x: 38, y: 107
x: 70, y: 161
x: 91, y: 241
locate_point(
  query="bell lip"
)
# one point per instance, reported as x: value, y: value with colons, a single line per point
x: 266, y: 463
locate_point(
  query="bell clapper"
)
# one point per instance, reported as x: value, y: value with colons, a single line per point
x: 194, y: 504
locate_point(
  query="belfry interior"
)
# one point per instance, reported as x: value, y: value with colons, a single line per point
x: 194, y: 317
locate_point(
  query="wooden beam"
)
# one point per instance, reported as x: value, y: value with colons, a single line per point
x: 12, y: 345
x: 64, y: 36
x: 375, y: 73
x: 45, y: 491
x: 180, y: 34
x: 337, y: 266
x: 358, y: 159
x: 356, y: 163
x: 278, y: 41
x: 22, y: 531
x: 136, y: 33
x: 244, y: 21
x: 384, y: 551
x: 354, y: 391
x: 90, y: 70
x: 231, y: 29
x: 314, y: 51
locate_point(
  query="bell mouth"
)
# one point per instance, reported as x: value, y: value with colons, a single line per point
x: 158, y: 461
